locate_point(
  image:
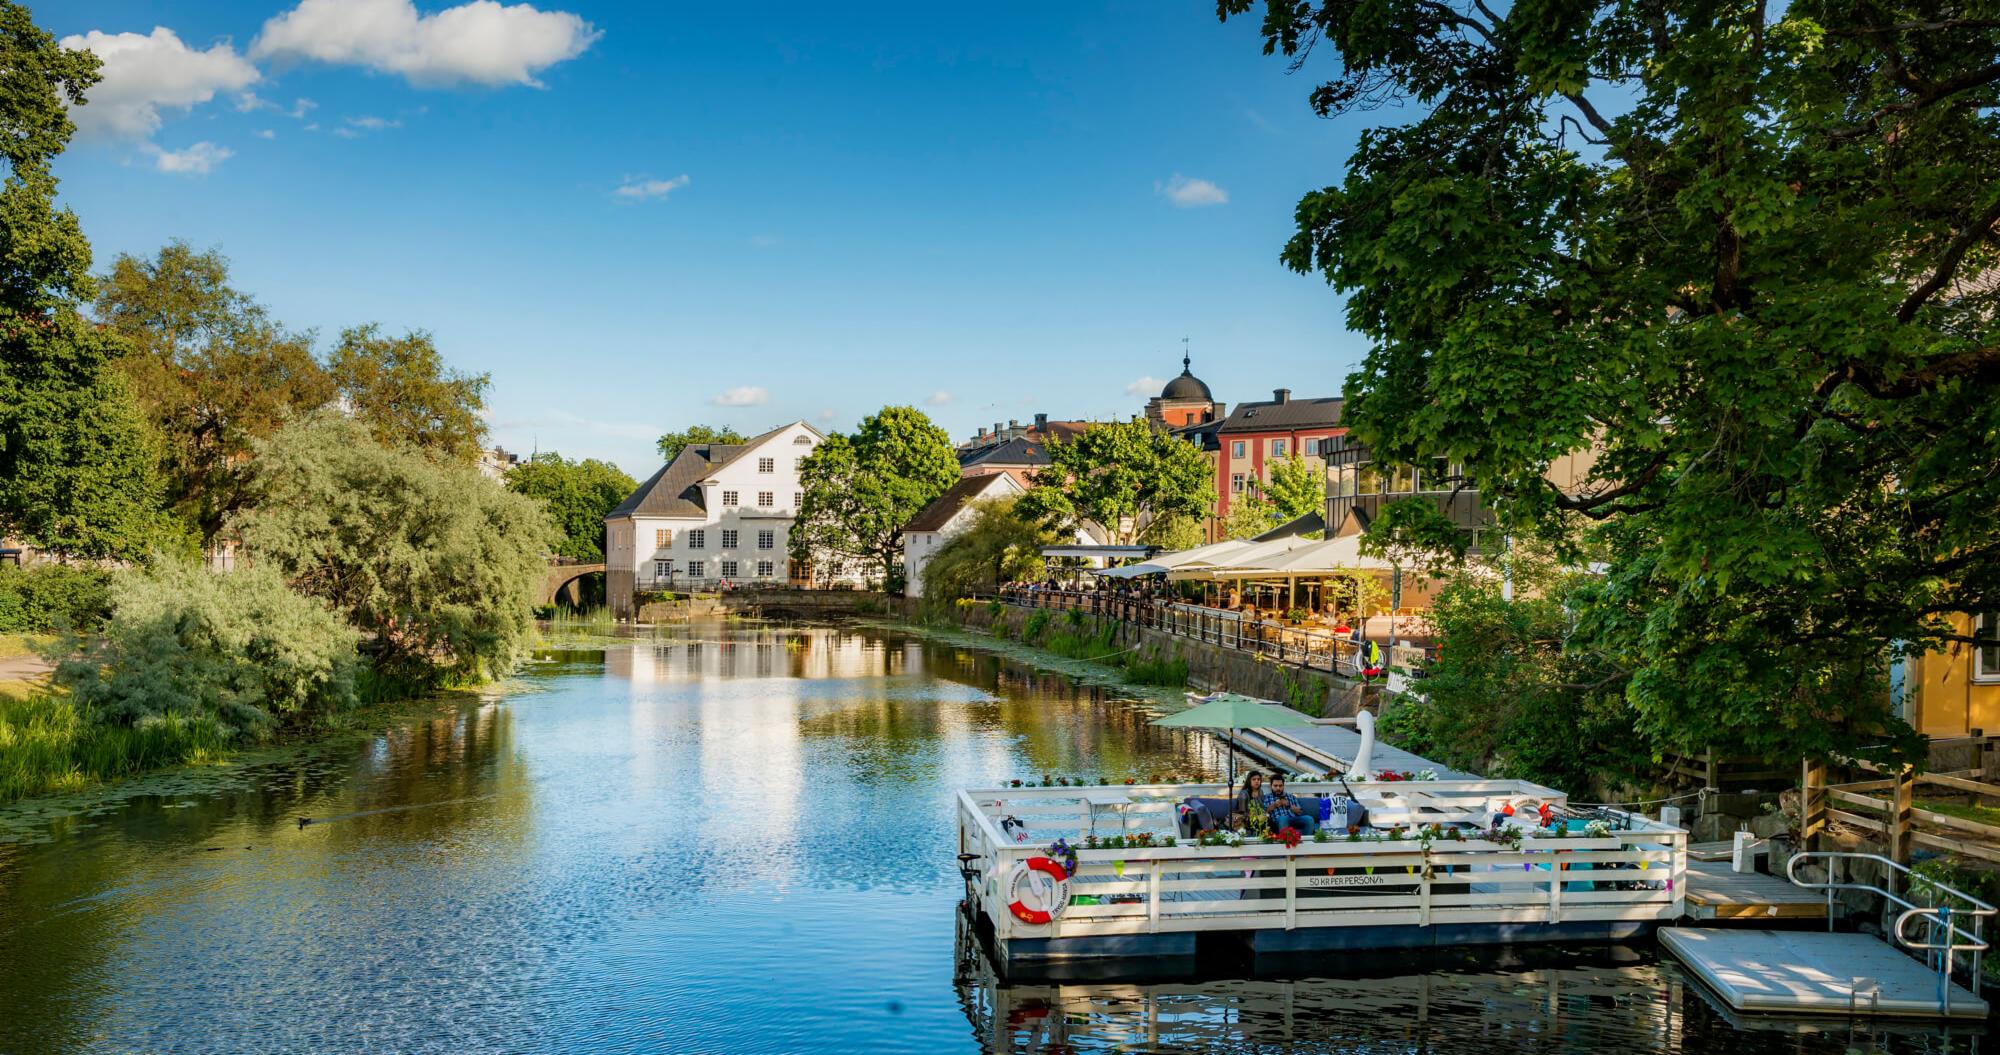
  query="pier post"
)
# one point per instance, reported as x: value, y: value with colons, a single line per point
x: 1812, y: 803
x: 1900, y: 818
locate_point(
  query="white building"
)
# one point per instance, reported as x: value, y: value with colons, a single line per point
x: 945, y: 517
x: 718, y: 512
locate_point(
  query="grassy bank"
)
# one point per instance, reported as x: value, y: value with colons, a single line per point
x: 48, y: 748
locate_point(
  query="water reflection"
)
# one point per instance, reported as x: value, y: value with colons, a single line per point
x: 1548, y: 1000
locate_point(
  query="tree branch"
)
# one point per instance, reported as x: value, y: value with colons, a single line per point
x: 1948, y: 263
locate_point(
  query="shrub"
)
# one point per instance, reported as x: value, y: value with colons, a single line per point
x: 48, y: 747
x: 1032, y: 630
x: 1172, y: 672
x: 237, y: 652
x: 52, y: 597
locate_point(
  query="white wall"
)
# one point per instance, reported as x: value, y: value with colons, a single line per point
x: 747, y: 516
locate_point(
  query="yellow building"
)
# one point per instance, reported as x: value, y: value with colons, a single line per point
x: 1952, y: 692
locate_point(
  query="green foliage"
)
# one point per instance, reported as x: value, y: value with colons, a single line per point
x: 400, y: 387
x: 76, y: 474
x: 998, y: 546
x: 1506, y: 698
x: 53, y: 597
x: 1172, y: 673
x: 1173, y: 533
x: 49, y: 747
x: 672, y: 443
x: 1297, y: 487
x: 210, y: 370
x: 238, y: 651
x: 1250, y: 515
x: 860, y: 490
x: 1121, y: 476
x: 1763, y: 292
x: 577, y: 495
x: 1034, y: 627
x: 437, y: 565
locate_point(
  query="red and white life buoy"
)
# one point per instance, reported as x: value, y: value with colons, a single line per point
x: 1037, y: 890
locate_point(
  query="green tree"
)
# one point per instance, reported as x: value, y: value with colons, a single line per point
x: 672, y: 443
x: 237, y: 651
x: 1121, y: 476
x: 1764, y: 291
x: 1250, y: 514
x: 1174, y: 533
x: 860, y: 490
x: 576, y: 495
x: 401, y: 388
x: 210, y: 370
x: 437, y: 565
x: 998, y: 546
x: 1297, y: 487
x: 76, y: 473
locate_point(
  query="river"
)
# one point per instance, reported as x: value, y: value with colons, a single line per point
x: 721, y: 840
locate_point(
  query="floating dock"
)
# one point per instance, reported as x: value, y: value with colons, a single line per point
x: 1717, y: 892
x: 1816, y: 973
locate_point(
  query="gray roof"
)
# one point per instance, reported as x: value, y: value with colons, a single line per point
x: 1018, y: 451
x: 961, y: 494
x: 1311, y: 522
x: 675, y: 491
x: 1271, y: 416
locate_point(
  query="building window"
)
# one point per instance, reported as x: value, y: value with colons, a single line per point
x: 1236, y: 449
x: 696, y: 568
x: 1342, y: 478
x: 663, y: 538
x: 1986, y: 655
x: 697, y: 540
x: 1309, y: 445
x: 1367, y: 481
x: 801, y: 441
x: 765, y: 568
x: 798, y: 464
x: 1402, y: 479
x: 729, y: 569
x: 663, y: 569
x: 728, y: 539
x: 767, y: 465
x: 1277, y: 448
x: 767, y: 539
x: 731, y: 498
x: 766, y: 499
x: 1236, y: 483
x: 798, y: 499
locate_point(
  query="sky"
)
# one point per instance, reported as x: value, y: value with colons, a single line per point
x: 643, y: 216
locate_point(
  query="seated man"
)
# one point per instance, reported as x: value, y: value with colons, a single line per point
x: 1286, y: 811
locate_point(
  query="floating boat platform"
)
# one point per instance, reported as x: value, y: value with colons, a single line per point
x: 1432, y: 876
x: 1815, y: 973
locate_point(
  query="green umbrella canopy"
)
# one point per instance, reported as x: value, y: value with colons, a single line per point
x: 1229, y: 710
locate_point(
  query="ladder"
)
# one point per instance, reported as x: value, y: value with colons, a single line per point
x: 1943, y: 937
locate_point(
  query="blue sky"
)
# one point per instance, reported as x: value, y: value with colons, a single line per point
x: 983, y: 211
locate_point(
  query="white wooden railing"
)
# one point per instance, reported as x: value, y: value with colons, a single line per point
x: 1458, y: 876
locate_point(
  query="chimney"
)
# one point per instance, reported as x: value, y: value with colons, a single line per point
x: 996, y: 430
x: 982, y: 432
x: 1041, y: 423
x: 1221, y: 411
x: 1281, y: 395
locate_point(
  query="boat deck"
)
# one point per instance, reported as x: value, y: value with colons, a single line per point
x: 1814, y: 972
x: 1331, y: 746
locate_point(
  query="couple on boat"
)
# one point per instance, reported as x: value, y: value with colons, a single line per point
x: 1272, y: 810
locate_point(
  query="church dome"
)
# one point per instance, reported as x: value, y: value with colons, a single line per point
x: 1186, y: 386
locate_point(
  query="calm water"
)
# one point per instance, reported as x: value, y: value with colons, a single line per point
x: 735, y: 841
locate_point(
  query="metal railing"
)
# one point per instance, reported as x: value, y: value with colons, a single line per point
x: 1311, y: 649
x: 1938, y: 954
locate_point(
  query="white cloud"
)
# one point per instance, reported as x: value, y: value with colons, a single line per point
x: 265, y: 133
x: 1146, y: 386
x: 743, y: 396
x: 827, y: 416
x: 197, y: 160
x: 482, y: 42
x: 144, y: 74
x: 374, y: 124
x: 1188, y: 193
x: 939, y: 398
x: 648, y: 189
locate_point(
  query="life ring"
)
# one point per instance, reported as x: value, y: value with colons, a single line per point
x: 1037, y: 890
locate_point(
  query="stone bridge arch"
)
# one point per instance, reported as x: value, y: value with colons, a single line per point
x: 561, y: 577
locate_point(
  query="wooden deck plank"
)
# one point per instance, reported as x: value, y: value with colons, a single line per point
x: 1714, y: 891
x: 1811, y: 972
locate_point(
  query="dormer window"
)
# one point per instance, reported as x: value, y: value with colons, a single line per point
x: 802, y: 441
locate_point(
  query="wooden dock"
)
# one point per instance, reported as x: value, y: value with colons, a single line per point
x: 1715, y: 892
x: 1815, y: 973
x: 1329, y: 746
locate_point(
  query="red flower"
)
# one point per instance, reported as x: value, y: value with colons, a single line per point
x: 1288, y: 836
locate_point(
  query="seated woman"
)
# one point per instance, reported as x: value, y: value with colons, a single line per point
x: 1248, y: 808
x: 1286, y: 811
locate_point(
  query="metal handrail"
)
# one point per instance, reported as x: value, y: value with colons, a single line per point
x: 1935, y: 915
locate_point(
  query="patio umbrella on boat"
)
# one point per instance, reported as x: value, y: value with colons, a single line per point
x: 1229, y: 711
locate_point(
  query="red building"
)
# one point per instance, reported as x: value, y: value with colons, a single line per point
x: 1256, y: 434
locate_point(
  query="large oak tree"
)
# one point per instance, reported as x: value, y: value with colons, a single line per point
x: 1747, y: 249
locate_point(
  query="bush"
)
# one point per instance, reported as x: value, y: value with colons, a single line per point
x: 52, y: 597
x: 1031, y: 631
x: 238, y: 653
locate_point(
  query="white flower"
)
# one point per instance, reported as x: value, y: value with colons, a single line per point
x: 1597, y: 829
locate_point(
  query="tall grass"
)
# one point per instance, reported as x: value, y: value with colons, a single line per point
x: 588, y: 621
x: 47, y: 747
